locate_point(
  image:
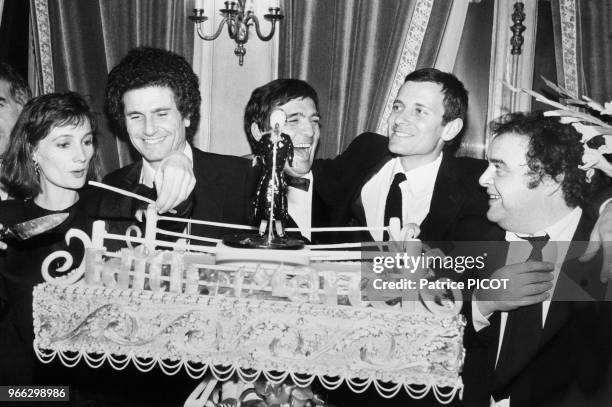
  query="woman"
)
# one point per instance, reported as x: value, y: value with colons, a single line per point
x: 52, y: 154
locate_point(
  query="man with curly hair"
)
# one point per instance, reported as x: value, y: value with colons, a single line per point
x: 14, y: 93
x: 153, y: 96
x: 538, y: 339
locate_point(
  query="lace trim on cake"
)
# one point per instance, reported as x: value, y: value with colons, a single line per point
x: 361, y: 347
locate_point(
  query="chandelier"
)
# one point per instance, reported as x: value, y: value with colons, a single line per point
x: 239, y: 17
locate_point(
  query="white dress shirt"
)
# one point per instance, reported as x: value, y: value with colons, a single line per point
x: 299, y: 206
x: 417, y: 191
x: 561, y: 234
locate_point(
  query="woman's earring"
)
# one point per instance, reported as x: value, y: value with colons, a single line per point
x: 36, y: 168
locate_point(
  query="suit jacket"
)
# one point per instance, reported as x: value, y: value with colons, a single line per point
x: 457, y: 197
x: 572, y: 360
x: 223, y: 190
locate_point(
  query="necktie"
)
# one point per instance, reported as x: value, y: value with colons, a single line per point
x: 522, y: 334
x: 393, y: 206
x: 299, y: 183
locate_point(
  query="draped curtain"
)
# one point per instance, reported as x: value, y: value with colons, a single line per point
x: 595, y: 17
x: 89, y: 37
x: 350, y: 51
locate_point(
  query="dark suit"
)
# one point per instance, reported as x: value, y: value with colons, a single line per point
x: 573, y: 355
x: 223, y: 190
x: 457, y: 196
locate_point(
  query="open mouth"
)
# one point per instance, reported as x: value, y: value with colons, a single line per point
x: 493, y: 197
x: 79, y: 173
x: 153, y: 140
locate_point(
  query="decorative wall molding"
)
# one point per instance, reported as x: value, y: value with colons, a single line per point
x: 569, y: 46
x: 42, y: 44
x: 505, y: 66
x: 409, y: 56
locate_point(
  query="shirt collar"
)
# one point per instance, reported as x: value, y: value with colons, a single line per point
x: 562, y: 230
x: 147, y: 175
x: 421, y: 179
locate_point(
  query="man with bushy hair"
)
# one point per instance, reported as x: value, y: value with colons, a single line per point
x: 543, y: 339
x: 153, y: 96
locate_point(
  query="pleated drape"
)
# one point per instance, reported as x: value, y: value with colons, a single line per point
x: 89, y: 37
x: 595, y: 18
x: 349, y: 51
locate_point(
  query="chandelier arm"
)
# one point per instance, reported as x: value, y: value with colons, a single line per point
x: 213, y: 36
x: 258, y: 30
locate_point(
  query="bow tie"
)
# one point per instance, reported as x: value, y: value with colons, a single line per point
x: 299, y: 183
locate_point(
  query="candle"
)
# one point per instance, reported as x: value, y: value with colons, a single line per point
x: 248, y: 5
x: 199, y: 4
x: 274, y: 4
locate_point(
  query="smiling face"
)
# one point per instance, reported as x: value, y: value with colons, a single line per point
x: 63, y: 157
x: 9, y: 111
x: 512, y: 204
x: 415, y: 126
x: 154, y: 123
x: 302, y: 126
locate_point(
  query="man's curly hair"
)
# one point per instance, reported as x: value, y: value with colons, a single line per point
x: 554, y: 151
x: 144, y: 67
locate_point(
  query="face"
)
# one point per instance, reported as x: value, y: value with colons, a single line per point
x: 415, y: 124
x: 9, y: 111
x: 154, y: 123
x: 63, y: 157
x: 302, y: 126
x: 512, y: 204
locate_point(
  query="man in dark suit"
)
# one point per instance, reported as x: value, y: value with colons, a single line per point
x: 153, y: 95
x: 544, y: 340
x: 300, y: 102
x: 435, y: 189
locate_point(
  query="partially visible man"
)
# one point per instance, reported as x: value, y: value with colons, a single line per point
x: 153, y: 95
x: 14, y: 94
x: 543, y: 340
x: 411, y: 174
x: 299, y: 101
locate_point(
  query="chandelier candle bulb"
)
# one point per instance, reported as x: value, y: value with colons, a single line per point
x: 199, y: 5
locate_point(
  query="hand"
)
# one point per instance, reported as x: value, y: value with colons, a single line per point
x: 398, y: 238
x: 174, y: 181
x: 528, y: 283
x: 601, y: 236
x: 2, y: 244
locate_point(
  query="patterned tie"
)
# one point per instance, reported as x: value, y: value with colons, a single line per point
x: 299, y: 183
x: 393, y: 206
x: 522, y: 334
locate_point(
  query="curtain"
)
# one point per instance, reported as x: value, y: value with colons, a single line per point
x: 89, y: 37
x: 595, y: 17
x: 351, y: 51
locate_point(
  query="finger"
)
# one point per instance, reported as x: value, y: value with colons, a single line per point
x: 173, y: 194
x: 3, y: 246
x: 163, y: 189
x: 606, y: 269
x: 537, y: 288
x: 534, y: 266
x: 535, y: 299
x: 538, y: 277
x: 593, y: 246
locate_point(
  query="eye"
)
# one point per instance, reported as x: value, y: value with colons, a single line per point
x: 396, y: 107
x: 64, y: 144
x: 162, y: 114
x: 88, y: 141
x: 134, y: 117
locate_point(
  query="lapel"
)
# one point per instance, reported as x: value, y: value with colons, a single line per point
x: 578, y: 283
x: 209, y: 193
x: 357, y: 204
x: 446, y: 201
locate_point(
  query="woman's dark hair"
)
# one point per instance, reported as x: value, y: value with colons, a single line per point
x: 37, y: 119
